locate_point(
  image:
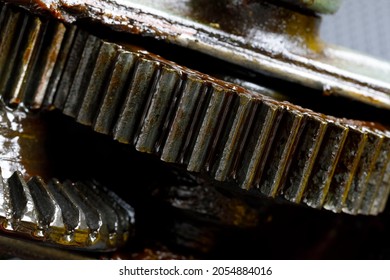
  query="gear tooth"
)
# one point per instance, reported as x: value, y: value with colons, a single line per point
x: 382, y: 188
x: 97, y: 84
x: 25, y: 59
x: 46, y: 58
x: 8, y: 38
x: 92, y: 218
x: 236, y: 134
x: 375, y: 178
x: 303, y: 159
x: 11, y: 37
x: 44, y: 207
x: 142, y: 83
x: 222, y: 130
x: 325, y: 165
x: 109, y: 109
x: 280, y: 151
x: 82, y: 77
x: 88, y: 212
x: 31, y: 45
x: 385, y: 197
x: 69, y: 211
x: 108, y: 217
x: 370, y: 152
x: 70, y: 69
x: 17, y: 199
x: 53, y: 84
x: 154, y: 120
x: 195, y: 125
x: 245, y: 137
x: 204, y: 139
x: 124, y: 212
x: 262, y: 131
x: 345, y: 170
x: 192, y: 91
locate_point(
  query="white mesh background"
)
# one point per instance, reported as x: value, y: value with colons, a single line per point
x: 363, y: 25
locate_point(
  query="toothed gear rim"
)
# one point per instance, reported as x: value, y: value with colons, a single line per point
x: 192, y: 119
x: 79, y: 215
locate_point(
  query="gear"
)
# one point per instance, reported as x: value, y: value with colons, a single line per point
x: 189, y: 118
x: 77, y: 215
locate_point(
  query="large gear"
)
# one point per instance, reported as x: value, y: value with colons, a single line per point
x: 189, y: 118
x: 79, y: 215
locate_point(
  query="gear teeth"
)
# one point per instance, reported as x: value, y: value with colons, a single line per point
x: 382, y: 191
x: 82, y: 77
x: 97, y: 84
x: 11, y: 36
x: 345, y: 169
x: 304, y: 158
x: 234, y: 139
x: 44, y: 207
x: 326, y: 162
x: 281, y: 149
x: 368, y: 157
x: 180, y: 127
x: 106, y: 213
x: 204, y: 140
x: 73, y: 215
x: 375, y: 180
x: 63, y: 61
x: 263, y: 132
x: 188, y: 118
x: 15, y: 190
x: 69, y: 212
x: 143, y: 82
x: 70, y: 69
x: 89, y: 214
x: 25, y: 59
x: 153, y: 122
x: 107, y: 112
x: 44, y: 65
x: 383, y: 200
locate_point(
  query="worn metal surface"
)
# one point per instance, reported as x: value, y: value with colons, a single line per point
x: 79, y: 216
x: 207, y: 125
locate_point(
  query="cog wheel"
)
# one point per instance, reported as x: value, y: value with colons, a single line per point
x: 79, y: 215
x: 189, y: 118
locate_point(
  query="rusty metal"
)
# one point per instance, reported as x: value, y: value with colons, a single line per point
x: 262, y: 36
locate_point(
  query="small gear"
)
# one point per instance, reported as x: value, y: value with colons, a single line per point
x: 189, y: 118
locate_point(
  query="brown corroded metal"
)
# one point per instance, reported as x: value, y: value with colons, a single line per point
x: 258, y: 35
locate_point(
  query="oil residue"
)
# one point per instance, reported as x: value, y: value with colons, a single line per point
x: 21, y: 138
